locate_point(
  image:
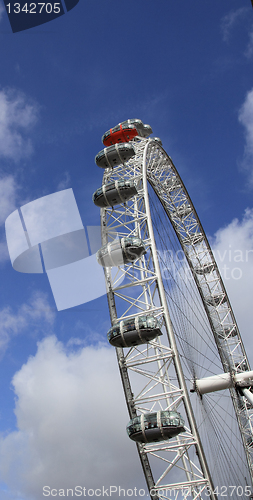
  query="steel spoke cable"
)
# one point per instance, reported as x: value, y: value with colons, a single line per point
x: 221, y: 450
x: 204, y: 317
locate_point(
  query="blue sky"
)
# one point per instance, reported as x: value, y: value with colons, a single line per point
x: 183, y: 67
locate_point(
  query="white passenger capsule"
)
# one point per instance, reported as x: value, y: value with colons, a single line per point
x: 134, y: 331
x: 114, y: 155
x: 152, y: 427
x: 143, y: 130
x: 121, y: 251
x: 114, y: 193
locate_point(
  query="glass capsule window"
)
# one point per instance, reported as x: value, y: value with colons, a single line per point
x: 137, y: 242
x: 97, y: 193
x: 116, y: 129
x: 147, y: 322
x: 124, y: 146
x: 123, y: 184
x: 134, y: 426
x: 110, y: 149
x: 126, y: 184
x: 171, y: 418
x: 100, y: 154
x: 152, y: 322
x: 110, y: 186
x: 168, y: 418
x: 150, y: 421
x: 133, y: 241
x: 128, y: 325
x: 128, y: 241
x: 113, y: 332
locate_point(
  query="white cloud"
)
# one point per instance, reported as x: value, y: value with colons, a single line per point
x: 234, y: 19
x: 230, y: 20
x: 71, y: 420
x: 233, y: 249
x: 246, y: 119
x: 8, y: 196
x: 36, y: 311
x: 17, y: 115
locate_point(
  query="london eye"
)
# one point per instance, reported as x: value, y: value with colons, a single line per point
x: 184, y: 369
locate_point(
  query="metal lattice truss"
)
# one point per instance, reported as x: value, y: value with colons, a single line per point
x: 152, y: 375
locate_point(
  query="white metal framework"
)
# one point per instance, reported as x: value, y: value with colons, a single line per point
x: 178, y: 282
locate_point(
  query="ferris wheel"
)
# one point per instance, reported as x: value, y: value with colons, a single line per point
x: 184, y: 369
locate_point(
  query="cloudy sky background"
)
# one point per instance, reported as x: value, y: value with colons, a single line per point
x: 186, y: 69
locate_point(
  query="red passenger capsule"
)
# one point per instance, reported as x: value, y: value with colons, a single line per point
x: 126, y: 131
x: 121, y: 133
